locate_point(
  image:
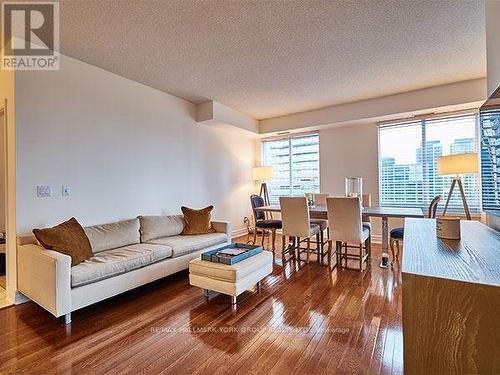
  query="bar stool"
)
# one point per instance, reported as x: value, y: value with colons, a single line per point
x: 297, y: 227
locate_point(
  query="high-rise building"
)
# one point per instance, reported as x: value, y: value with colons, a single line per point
x: 462, y: 146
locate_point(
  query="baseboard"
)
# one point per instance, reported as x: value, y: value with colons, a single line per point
x: 376, y: 238
x: 239, y: 232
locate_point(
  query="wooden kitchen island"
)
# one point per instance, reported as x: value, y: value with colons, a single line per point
x: 451, y: 300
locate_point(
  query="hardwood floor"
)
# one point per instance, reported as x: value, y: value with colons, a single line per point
x: 306, y: 320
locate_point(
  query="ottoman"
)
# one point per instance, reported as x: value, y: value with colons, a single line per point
x: 231, y: 280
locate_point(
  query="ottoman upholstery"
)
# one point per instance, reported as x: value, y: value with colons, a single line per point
x: 231, y: 280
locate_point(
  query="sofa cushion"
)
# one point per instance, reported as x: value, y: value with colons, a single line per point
x: 182, y: 245
x: 113, y: 235
x: 153, y: 227
x: 109, y: 263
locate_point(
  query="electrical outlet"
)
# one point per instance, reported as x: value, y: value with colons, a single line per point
x: 66, y: 190
x: 43, y: 191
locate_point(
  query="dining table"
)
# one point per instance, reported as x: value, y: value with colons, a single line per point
x: 383, y: 212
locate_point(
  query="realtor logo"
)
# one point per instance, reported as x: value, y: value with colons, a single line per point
x: 30, y: 33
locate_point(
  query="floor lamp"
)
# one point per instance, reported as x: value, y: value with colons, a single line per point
x: 457, y: 165
x: 262, y: 174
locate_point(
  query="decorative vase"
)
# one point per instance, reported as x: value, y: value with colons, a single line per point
x: 354, y: 187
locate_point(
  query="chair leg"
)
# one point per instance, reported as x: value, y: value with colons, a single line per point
x: 370, y: 247
x: 284, y: 248
x: 263, y: 237
x: 308, y: 241
x: 329, y: 254
x: 322, y: 240
x: 345, y: 249
x: 360, y: 257
x: 391, y: 243
x: 397, y: 253
x: 254, y: 235
x: 296, y: 249
x: 338, y: 250
x: 273, y: 239
x: 317, y: 247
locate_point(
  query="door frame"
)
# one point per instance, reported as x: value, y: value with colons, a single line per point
x: 10, y: 203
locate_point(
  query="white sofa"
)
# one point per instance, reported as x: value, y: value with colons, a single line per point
x: 127, y: 254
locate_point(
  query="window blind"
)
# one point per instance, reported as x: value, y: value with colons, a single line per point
x: 408, y: 154
x: 295, y: 163
x: 490, y: 158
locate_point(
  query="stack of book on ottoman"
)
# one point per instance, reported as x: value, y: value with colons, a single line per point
x: 231, y: 254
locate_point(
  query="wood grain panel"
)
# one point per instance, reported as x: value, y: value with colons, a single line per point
x: 451, y: 300
x: 474, y: 258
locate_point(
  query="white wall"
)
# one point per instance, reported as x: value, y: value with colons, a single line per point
x: 124, y: 148
x: 444, y: 98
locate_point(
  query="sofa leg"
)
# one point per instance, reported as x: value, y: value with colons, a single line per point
x: 67, y: 318
x: 233, y: 303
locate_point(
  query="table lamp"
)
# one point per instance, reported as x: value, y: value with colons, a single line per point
x: 457, y: 165
x: 262, y: 174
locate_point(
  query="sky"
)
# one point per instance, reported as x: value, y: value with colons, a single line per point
x: 402, y: 142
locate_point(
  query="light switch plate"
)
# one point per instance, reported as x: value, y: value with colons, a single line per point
x: 43, y: 191
x: 66, y: 190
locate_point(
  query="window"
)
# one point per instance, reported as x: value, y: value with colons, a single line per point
x: 490, y: 158
x: 408, y: 153
x: 295, y: 163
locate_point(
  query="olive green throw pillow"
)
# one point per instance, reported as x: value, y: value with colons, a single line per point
x: 67, y: 238
x: 197, y: 221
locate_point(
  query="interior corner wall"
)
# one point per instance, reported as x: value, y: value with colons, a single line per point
x: 352, y: 151
x: 124, y: 149
x: 492, y: 12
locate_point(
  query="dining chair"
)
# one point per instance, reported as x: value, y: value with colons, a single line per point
x: 262, y: 223
x: 297, y: 227
x: 320, y: 200
x: 367, y: 202
x: 348, y: 231
x: 397, y: 234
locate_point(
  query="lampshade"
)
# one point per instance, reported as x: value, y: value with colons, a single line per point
x: 457, y: 164
x: 262, y: 173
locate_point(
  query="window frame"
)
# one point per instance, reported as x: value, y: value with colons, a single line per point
x: 486, y: 166
x: 290, y: 138
x: 423, y: 123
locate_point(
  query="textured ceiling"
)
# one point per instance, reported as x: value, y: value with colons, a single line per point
x: 269, y: 58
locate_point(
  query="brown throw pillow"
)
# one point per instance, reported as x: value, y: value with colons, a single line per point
x: 197, y: 221
x: 67, y: 238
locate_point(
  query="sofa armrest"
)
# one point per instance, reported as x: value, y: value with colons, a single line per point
x: 222, y: 227
x: 45, y: 277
